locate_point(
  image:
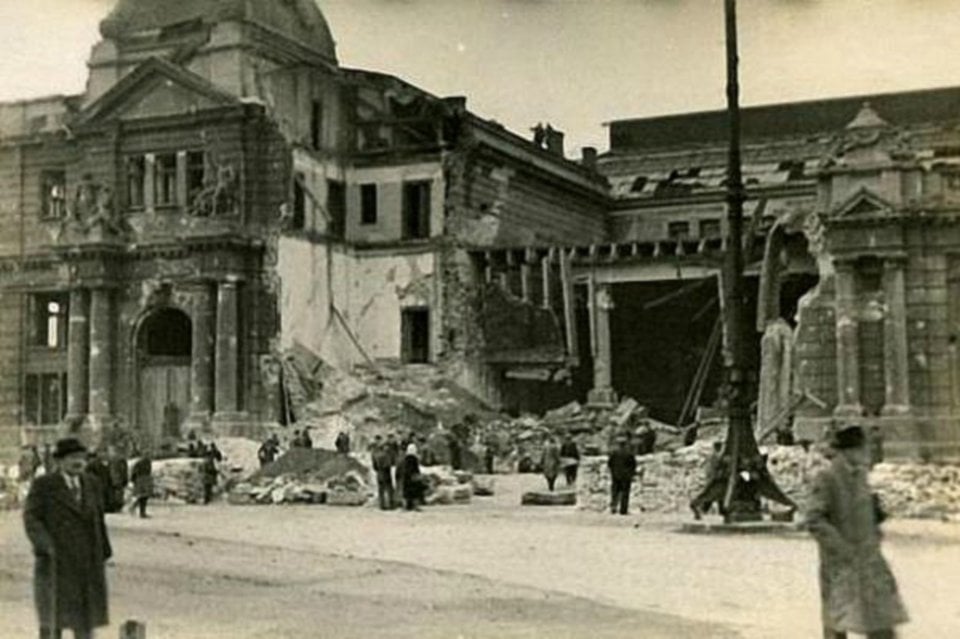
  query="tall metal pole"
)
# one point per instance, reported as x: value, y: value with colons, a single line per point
x: 741, y: 445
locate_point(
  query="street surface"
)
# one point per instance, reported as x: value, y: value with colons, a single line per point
x: 490, y: 569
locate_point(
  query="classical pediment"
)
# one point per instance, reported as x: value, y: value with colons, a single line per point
x: 156, y: 88
x: 863, y: 203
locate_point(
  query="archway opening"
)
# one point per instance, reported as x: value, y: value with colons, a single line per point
x: 166, y: 333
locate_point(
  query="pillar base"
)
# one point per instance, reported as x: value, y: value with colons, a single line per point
x: 895, y: 410
x: 199, y: 422
x: 602, y: 397
x: 234, y: 424
x: 848, y: 411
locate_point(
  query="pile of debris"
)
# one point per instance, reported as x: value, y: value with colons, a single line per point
x: 671, y: 479
x: 307, y: 475
x: 177, y: 479
x: 9, y: 486
x: 447, y: 486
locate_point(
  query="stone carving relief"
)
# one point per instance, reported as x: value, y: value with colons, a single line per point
x: 219, y: 194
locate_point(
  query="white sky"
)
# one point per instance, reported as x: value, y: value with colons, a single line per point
x: 574, y: 63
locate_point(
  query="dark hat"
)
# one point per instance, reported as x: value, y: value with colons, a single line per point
x: 68, y: 446
x: 849, y: 437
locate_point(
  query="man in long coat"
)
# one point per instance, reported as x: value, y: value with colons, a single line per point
x: 858, y: 592
x: 63, y: 518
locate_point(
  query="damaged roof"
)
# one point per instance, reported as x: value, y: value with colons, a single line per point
x: 784, y: 120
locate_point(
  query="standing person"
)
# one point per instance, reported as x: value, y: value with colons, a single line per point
x: 305, y: 440
x: 623, y: 466
x: 570, y: 459
x: 27, y: 468
x: 383, y: 466
x: 63, y: 518
x: 98, y: 466
x: 297, y: 440
x: 550, y: 462
x: 141, y: 475
x: 268, y: 450
x: 646, y: 438
x: 713, y: 489
x: 342, y: 443
x: 209, y: 473
x: 857, y: 590
x: 413, y: 487
x: 119, y: 477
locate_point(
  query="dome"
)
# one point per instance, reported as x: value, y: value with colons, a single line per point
x: 299, y: 20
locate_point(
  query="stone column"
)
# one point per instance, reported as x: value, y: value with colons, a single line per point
x: 895, y: 359
x: 602, y: 392
x: 848, y: 347
x: 227, y: 343
x: 101, y: 357
x: 201, y: 364
x: 78, y: 351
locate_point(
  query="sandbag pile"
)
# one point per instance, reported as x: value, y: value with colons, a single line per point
x: 307, y: 475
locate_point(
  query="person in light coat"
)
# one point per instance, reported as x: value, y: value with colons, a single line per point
x: 858, y: 591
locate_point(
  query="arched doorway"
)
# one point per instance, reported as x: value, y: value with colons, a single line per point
x: 164, y: 345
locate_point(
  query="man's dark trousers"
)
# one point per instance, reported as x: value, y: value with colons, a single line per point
x: 620, y: 495
x: 385, y: 490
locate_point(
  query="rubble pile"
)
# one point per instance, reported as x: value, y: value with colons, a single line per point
x: 447, y: 486
x: 923, y: 491
x: 9, y: 486
x: 239, y: 459
x: 305, y: 475
x: 178, y: 479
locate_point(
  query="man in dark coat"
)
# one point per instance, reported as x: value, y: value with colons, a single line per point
x: 268, y: 451
x: 119, y: 476
x: 383, y: 461
x: 623, y: 466
x: 413, y: 485
x: 63, y: 518
x: 569, y: 459
x: 342, y: 443
x: 142, y: 477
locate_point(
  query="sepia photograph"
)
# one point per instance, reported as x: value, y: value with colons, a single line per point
x: 479, y: 319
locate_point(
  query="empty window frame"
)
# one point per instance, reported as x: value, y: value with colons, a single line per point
x: 678, y: 230
x: 196, y: 173
x: 416, y: 210
x: 136, y: 179
x: 368, y: 204
x: 53, y: 194
x: 50, y: 320
x: 336, y: 207
x: 415, y: 335
x: 45, y: 398
x: 299, y: 203
x: 165, y: 181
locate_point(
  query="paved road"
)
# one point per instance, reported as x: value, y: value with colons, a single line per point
x: 530, y: 570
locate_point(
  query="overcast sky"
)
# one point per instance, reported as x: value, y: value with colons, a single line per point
x: 574, y: 63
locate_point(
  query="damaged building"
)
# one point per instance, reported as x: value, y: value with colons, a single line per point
x: 224, y: 191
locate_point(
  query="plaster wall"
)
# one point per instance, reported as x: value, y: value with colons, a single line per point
x: 345, y: 305
x: 390, y: 181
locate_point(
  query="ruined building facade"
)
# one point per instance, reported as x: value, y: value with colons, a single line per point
x: 224, y: 191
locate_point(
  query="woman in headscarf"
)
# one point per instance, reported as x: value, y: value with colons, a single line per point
x: 413, y: 487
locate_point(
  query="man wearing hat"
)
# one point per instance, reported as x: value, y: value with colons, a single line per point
x: 858, y: 592
x: 64, y: 521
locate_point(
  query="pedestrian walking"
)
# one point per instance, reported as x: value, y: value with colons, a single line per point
x: 63, y: 518
x: 623, y: 466
x: 141, y: 476
x: 383, y: 465
x: 550, y: 462
x: 569, y: 459
x: 857, y: 589
x: 209, y: 474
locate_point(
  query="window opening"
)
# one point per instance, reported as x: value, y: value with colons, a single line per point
x: 368, y: 204
x: 166, y: 179
x: 54, y: 194
x: 416, y: 210
x: 415, y: 328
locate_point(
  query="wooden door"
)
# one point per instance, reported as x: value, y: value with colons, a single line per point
x: 164, y: 399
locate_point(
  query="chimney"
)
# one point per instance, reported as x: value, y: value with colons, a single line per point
x: 588, y: 157
x: 554, y: 141
x: 456, y: 103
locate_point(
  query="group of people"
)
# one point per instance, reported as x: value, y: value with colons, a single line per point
x: 560, y: 457
x: 64, y: 521
x: 398, y: 476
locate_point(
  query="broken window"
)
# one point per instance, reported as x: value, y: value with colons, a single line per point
x: 678, y: 230
x: 196, y: 173
x: 45, y: 398
x: 416, y: 210
x: 336, y: 207
x: 368, y: 204
x: 53, y: 186
x: 136, y: 173
x: 415, y: 327
x: 710, y: 229
x: 316, y: 124
x: 49, y: 312
x: 165, y: 183
x: 299, y: 203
